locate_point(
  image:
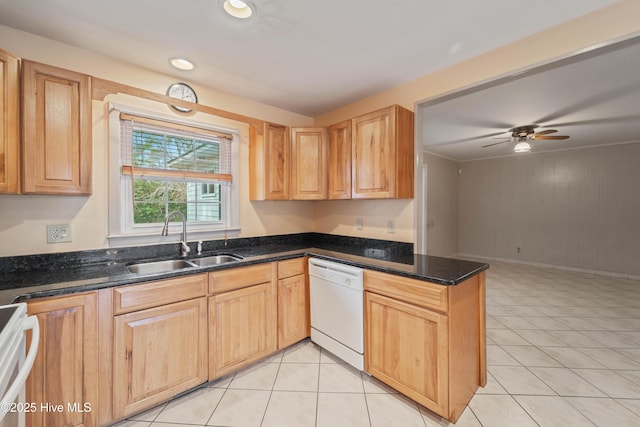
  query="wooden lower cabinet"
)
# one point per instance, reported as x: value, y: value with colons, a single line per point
x: 132, y: 347
x: 406, y: 347
x: 64, y: 372
x: 293, y: 310
x: 159, y: 352
x: 427, y: 340
x: 242, y: 327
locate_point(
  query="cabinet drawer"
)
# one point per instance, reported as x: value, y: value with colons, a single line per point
x: 291, y: 267
x: 413, y: 291
x: 236, y: 278
x: 153, y: 294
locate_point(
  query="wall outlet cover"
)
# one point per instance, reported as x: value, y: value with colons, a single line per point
x: 58, y: 233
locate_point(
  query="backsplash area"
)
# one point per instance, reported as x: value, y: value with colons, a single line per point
x: 373, y: 248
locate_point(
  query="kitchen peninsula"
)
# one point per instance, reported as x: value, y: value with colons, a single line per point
x: 424, y: 318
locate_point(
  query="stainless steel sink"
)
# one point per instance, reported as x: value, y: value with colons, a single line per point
x: 160, y: 266
x: 216, y: 260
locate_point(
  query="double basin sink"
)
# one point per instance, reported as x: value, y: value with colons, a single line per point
x: 152, y: 267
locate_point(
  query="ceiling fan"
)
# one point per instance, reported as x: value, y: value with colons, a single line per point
x: 522, y: 134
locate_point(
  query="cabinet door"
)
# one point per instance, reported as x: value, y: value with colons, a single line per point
x: 309, y: 163
x: 293, y: 310
x: 277, y: 164
x: 158, y: 353
x: 9, y: 123
x: 374, y: 155
x: 407, y: 347
x: 65, y: 370
x: 242, y: 327
x: 382, y: 154
x: 56, y: 130
x: 340, y: 160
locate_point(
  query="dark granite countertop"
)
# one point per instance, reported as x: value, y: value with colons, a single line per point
x: 55, y: 278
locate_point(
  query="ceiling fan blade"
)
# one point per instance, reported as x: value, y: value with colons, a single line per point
x: 542, y: 138
x: 473, y: 138
x: 495, y: 143
x: 546, y: 132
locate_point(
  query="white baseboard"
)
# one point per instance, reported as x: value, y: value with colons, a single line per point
x: 558, y: 267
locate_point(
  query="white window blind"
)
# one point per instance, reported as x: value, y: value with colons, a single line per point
x: 153, y: 149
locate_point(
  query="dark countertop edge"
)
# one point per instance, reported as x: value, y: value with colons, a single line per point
x: 399, y: 272
x: 61, y: 288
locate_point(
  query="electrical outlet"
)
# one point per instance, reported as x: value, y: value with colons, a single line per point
x: 391, y: 226
x: 358, y: 223
x: 58, y: 233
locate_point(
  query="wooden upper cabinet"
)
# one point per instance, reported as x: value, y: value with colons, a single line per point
x: 269, y: 163
x: 9, y: 123
x: 340, y: 160
x: 56, y: 130
x: 309, y: 163
x: 382, y: 154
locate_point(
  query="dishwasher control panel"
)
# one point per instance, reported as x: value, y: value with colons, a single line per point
x: 340, y: 274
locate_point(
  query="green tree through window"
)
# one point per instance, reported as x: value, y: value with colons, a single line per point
x: 154, y: 198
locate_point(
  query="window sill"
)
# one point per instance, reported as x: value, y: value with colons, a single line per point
x: 174, y: 236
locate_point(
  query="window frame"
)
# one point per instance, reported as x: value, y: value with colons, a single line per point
x: 122, y: 230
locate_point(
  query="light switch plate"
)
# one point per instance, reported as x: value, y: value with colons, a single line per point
x: 391, y: 226
x: 58, y: 233
x: 358, y: 223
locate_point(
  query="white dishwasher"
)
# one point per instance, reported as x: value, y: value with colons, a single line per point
x: 336, y: 292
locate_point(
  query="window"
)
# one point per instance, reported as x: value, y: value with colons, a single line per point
x: 167, y: 166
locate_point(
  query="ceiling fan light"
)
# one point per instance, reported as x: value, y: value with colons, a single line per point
x: 522, y: 147
x: 238, y: 8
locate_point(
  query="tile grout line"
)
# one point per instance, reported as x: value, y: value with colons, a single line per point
x: 366, y: 401
x: 266, y: 408
x: 318, y: 390
x: 220, y: 400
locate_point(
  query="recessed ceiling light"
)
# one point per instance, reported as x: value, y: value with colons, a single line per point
x: 182, y: 64
x: 238, y: 8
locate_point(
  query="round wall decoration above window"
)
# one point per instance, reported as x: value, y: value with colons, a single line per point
x: 184, y: 92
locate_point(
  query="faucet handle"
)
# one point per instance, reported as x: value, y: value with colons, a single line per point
x: 185, y: 248
x: 199, y: 247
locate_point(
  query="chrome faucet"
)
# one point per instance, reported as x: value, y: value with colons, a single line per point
x: 184, y: 247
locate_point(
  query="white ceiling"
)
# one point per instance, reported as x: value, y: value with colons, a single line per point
x: 593, y: 97
x: 304, y: 56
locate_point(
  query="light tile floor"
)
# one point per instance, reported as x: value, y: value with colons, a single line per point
x: 563, y: 350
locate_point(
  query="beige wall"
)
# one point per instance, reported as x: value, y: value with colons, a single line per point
x: 576, y: 208
x: 442, y: 205
x: 339, y: 217
x: 23, y: 219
